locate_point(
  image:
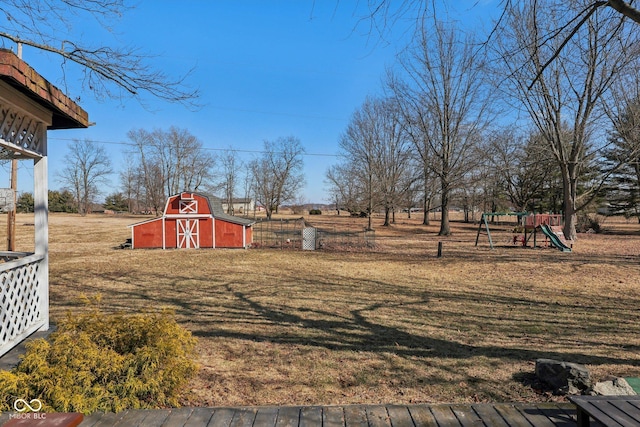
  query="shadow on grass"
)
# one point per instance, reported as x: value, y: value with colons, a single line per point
x: 357, y: 332
x: 263, y: 311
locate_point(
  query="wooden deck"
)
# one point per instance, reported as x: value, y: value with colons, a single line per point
x: 489, y: 415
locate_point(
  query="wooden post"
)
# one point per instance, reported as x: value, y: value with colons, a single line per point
x: 439, y: 249
x: 11, y: 215
x: 41, y: 222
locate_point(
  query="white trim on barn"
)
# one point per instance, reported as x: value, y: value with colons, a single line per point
x: 214, y: 228
x: 213, y: 233
x: 164, y: 237
x: 188, y: 233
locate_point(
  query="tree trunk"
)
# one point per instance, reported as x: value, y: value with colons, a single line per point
x: 370, y: 201
x: 445, y: 230
x: 426, y: 204
x: 569, y: 189
x: 387, y: 215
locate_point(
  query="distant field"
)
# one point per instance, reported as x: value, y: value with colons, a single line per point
x: 392, y: 324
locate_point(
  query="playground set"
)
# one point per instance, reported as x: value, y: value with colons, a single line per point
x: 527, y: 228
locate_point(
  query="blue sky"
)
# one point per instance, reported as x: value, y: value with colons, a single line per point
x: 265, y: 69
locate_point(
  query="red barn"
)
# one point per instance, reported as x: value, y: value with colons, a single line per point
x: 191, y: 221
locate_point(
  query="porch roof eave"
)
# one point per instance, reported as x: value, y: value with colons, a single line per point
x: 66, y: 113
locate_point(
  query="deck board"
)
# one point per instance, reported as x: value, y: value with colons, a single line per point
x: 489, y: 415
x: 440, y: 415
x: 288, y: 416
x: 377, y: 416
x: 156, y: 418
x: 444, y: 416
x: 399, y: 416
x: 102, y: 419
x: 333, y: 416
x: 513, y: 417
x: 421, y: 416
x: 355, y: 416
x: 466, y: 416
x: 266, y: 416
x: 199, y: 417
x: 560, y: 416
x: 535, y: 416
x: 310, y: 416
x: 176, y: 418
x: 221, y: 417
x: 244, y: 417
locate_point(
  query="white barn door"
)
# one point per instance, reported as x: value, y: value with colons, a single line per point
x: 188, y: 233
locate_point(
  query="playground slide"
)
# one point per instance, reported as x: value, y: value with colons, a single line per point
x: 555, y: 240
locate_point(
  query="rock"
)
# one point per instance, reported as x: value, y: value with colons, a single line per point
x: 563, y: 377
x: 612, y: 387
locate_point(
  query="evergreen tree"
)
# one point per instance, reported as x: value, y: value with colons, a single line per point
x: 623, y: 157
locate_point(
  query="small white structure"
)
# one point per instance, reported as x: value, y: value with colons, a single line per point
x: 29, y: 106
x: 239, y: 206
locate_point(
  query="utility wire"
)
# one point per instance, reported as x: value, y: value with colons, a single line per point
x: 130, y: 144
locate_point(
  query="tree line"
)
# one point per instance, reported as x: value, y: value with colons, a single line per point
x: 535, y: 120
x: 541, y: 114
x: 163, y: 162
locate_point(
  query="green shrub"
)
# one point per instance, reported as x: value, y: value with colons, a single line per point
x: 315, y: 212
x: 105, y: 362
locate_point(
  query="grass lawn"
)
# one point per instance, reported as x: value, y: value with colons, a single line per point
x: 393, y: 324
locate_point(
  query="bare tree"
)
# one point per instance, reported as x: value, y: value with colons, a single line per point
x: 382, y: 16
x: 152, y: 178
x: 359, y: 148
x: 277, y: 174
x: 523, y: 164
x: 445, y: 103
x: 416, y: 121
x: 345, y: 188
x: 185, y: 165
x: 170, y: 162
x: 131, y: 184
x: 391, y: 156
x: 87, y: 168
x: 564, y: 99
x: 231, y: 165
x: 106, y: 70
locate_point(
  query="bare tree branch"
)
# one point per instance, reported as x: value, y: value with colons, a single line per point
x: 108, y: 72
x: 624, y: 8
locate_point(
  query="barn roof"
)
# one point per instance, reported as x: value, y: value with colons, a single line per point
x: 218, y: 212
x: 66, y: 113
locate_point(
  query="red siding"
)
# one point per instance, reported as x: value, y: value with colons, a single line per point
x: 196, y: 207
x: 249, y: 234
x: 228, y: 235
x: 206, y: 233
x: 148, y: 234
x: 201, y: 202
x: 171, y: 235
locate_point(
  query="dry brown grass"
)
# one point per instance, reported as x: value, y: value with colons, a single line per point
x: 394, y: 324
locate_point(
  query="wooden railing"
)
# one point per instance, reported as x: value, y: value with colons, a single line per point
x: 22, y: 294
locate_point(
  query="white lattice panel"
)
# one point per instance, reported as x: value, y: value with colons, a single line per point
x: 20, y: 133
x: 309, y: 239
x: 20, y: 303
